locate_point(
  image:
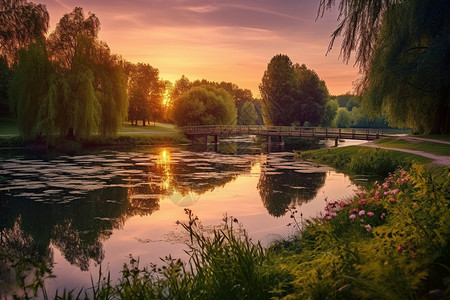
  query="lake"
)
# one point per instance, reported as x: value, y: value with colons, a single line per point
x: 77, y: 213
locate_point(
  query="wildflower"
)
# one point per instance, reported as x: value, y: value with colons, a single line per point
x: 362, y: 202
x: 403, y: 173
x: 376, y: 182
x: 342, y: 204
x: 392, y: 200
x: 399, y: 249
x: 370, y: 214
x: 386, y: 185
x: 333, y: 214
x: 377, y: 195
x: 405, y: 179
x: 355, y: 210
x: 368, y: 227
x: 352, y: 217
x: 362, y: 212
x: 382, y: 216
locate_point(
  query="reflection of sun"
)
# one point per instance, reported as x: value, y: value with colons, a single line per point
x: 163, y: 163
x: 168, y: 184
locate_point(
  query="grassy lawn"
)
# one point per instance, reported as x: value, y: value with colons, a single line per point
x: 159, y: 128
x: 8, y: 126
x: 430, y: 147
x: 441, y: 137
x: 357, y: 160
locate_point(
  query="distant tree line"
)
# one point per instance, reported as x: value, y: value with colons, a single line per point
x: 247, y: 109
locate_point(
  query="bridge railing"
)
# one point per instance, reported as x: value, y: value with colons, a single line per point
x: 363, y: 133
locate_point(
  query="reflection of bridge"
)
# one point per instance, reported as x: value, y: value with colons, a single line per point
x: 284, y: 131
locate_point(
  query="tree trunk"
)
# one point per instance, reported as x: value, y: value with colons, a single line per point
x: 442, y: 116
x: 70, y: 134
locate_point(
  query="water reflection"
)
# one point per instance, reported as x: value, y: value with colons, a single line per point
x: 75, y: 204
x: 284, y: 183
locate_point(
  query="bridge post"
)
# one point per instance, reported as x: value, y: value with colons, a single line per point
x: 216, y: 139
x: 336, y: 141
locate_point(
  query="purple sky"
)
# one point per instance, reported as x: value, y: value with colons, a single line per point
x: 217, y: 40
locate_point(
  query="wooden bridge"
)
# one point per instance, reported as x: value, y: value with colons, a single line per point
x: 284, y: 131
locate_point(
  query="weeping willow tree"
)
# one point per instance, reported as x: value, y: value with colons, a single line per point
x: 78, y: 89
x: 34, y: 92
x: 403, y: 50
x: 111, y: 89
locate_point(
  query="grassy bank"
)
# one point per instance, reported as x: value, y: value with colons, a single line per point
x: 425, y: 146
x: 128, y: 136
x: 359, y: 160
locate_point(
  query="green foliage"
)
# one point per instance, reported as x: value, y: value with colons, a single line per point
x: 146, y: 93
x: 291, y: 93
x: 32, y: 93
x: 389, y: 242
x: 81, y: 92
x: 240, y: 96
x: 331, y: 108
x: 247, y: 114
x: 204, y: 105
x: 408, y: 78
x: 343, y: 118
x: 364, y: 160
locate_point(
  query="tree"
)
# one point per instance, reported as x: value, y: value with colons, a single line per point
x: 402, y: 49
x: 33, y: 93
x: 21, y: 23
x: 291, y: 93
x: 311, y: 96
x: 204, y: 105
x: 278, y: 88
x: 409, y: 78
x: 64, y: 41
x: 247, y: 114
x: 343, y: 118
x: 331, y: 108
x: 146, y: 93
x: 5, y: 76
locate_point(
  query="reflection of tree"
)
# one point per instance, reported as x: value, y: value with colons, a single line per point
x: 194, y: 174
x: 280, y: 190
x: 23, y: 260
x: 70, y: 242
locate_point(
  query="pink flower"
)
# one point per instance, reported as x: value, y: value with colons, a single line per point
x: 352, y: 217
x: 376, y: 182
x: 404, y: 180
x: 394, y: 192
x: 355, y: 210
x: 403, y: 173
x: 400, y: 249
x: 377, y: 195
x: 362, y: 202
x: 362, y: 212
x: 392, y: 200
x: 370, y: 214
x: 385, y: 185
x: 368, y: 227
x: 382, y: 216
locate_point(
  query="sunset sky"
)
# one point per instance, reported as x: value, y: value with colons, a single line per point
x: 229, y: 41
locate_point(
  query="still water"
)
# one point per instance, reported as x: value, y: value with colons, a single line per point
x: 77, y: 213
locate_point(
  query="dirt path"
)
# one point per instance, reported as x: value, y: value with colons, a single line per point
x: 438, y: 159
x: 419, y: 139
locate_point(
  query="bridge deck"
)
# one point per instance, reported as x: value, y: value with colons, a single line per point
x: 288, y: 131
